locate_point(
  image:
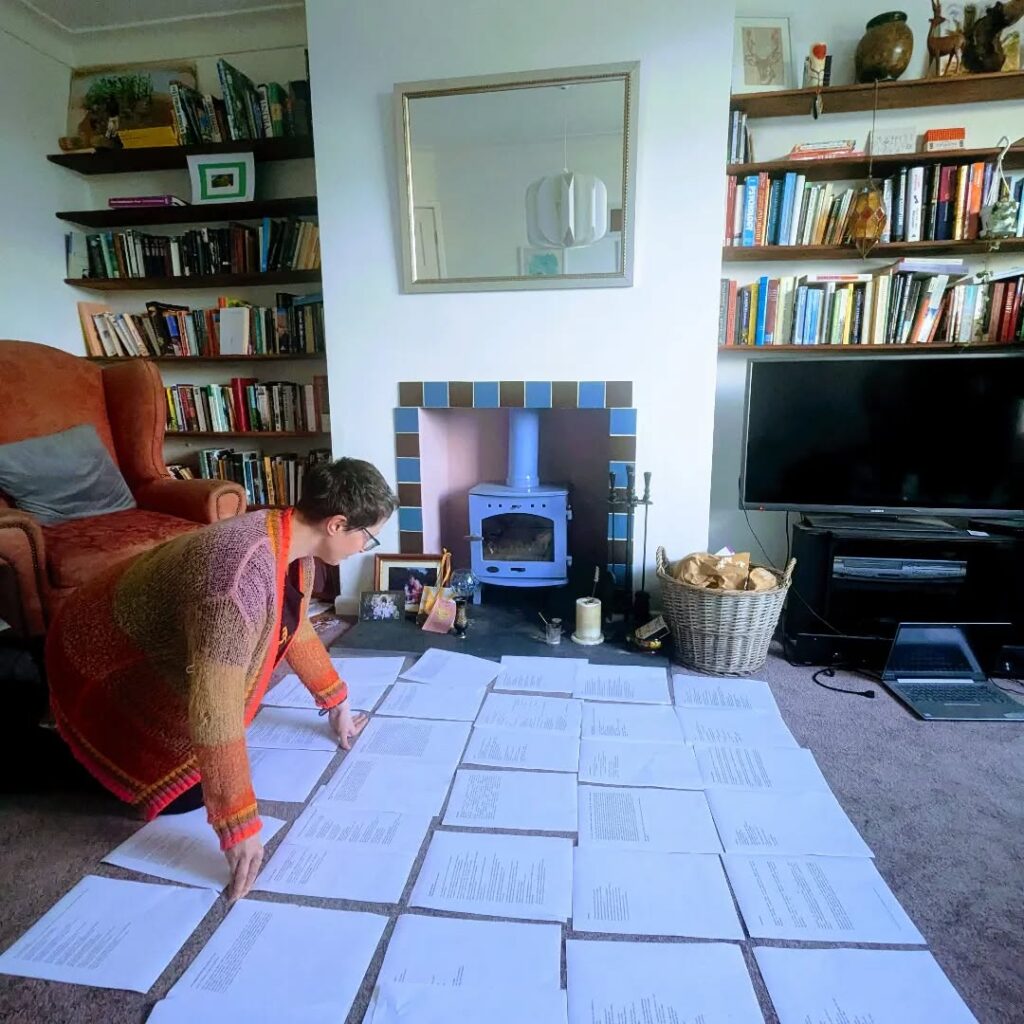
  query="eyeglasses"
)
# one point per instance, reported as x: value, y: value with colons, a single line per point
x: 371, y: 541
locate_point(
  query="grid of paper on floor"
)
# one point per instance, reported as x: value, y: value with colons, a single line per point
x: 585, y: 801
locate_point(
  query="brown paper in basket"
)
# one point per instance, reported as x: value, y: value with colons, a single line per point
x: 717, y: 572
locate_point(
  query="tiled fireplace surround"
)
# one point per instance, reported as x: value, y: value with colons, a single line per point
x: 414, y: 396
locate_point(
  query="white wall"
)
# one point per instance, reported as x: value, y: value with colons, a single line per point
x: 840, y: 24
x: 658, y: 333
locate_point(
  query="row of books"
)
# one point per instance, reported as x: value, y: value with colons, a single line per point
x: 740, y: 149
x: 912, y: 302
x: 295, y: 324
x: 267, y: 479
x: 236, y: 249
x: 937, y: 203
x: 246, y: 405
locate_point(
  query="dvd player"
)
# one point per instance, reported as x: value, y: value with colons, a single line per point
x: 915, y: 570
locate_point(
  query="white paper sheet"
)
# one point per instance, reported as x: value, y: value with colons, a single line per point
x: 456, y: 952
x: 388, y: 783
x: 612, y: 982
x: 880, y: 986
x: 286, y: 775
x: 263, y: 949
x: 786, y: 823
x: 723, y: 694
x: 414, y: 700
x: 627, y: 684
x: 538, y: 675
x: 664, y: 765
x: 197, y: 1010
x: 291, y: 729
x: 818, y: 899
x: 373, y: 669
x: 109, y: 933
x: 363, y: 694
x: 520, y: 748
x: 656, y: 820
x: 527, y: 877
x: 437, y: 666
x: 630, y: 893
x: 182, y: 848
x: 414, y: 741
x: 631, y: 722
x: 525, y: 801
x: 735, y: 728
x: 337, y: 852
x: 536, y: 714
x: 428, y: 1004
x: 759, y: 769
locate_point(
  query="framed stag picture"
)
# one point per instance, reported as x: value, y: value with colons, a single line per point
x: 761, y: 60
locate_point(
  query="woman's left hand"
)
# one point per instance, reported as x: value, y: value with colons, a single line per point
x: 345, y: 727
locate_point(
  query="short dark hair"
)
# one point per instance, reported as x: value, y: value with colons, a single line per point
x: 346, y: 487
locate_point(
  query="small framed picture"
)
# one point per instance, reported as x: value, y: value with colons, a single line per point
x: 540, y: 262
x: 407, y: 573
x: 761, y: 59
x: 228, y: 178
x: 382, y: 606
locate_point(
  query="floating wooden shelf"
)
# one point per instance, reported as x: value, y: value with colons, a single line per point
x: 164, y: 158
x: 245, y: 433
x: 914, y: 92
x: 201, y: 213
x: 888, y: 250
x: 141, y: 284
x: 857, y: 167
x: 285, y: 357
x: 873, y: 350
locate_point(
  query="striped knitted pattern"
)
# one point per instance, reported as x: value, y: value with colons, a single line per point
x: 157, y: 667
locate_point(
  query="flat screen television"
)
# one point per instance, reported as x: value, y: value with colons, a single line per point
x: 885, y: 434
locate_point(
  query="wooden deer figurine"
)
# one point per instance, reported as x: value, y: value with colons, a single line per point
x: 949, y: 46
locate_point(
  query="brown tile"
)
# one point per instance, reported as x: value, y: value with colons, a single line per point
x: 616, y: 551
x: 621, y: 447
x: 460, y: 394
x: 618, y: 394
x: 408, y: 445
x: 410, y: 542
x: 563, y: 394
x: 513, y: 394
x: 410, y: 393
x: 410, y: 495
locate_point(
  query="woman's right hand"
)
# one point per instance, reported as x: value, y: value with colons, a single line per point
x: 244, y: 860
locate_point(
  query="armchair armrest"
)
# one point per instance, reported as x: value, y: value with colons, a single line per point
x: 23, y: 561
x: 201, y: 501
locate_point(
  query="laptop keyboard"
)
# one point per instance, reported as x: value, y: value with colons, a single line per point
x: 950, y: 693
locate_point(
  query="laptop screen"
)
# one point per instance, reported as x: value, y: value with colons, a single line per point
x: 928, y: 651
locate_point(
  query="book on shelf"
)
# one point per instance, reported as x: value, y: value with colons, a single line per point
x: 272, y: 245
x: 293, y: 325
x: 740, y: 149
x: 267, y: 479
x: 909, y: 302
x: 248, y: 405
x: 264, y: 111
x: 130, y: 202
x: 935, y: 203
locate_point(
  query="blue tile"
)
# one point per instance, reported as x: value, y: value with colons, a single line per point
x: 591, y: 394
x: 408, y: 471
x: 618, y: 468
x: 485, y: 394
x: 410, y: 518
x: 622, y: 421
x: 538, y: 394
x: 618, y: 572
x: 435, y: 394
x: 407, y: 421
x: 616, y: 525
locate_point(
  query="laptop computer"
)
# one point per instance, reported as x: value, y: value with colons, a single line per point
x: 932, y: 669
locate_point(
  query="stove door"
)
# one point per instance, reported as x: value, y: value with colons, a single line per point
x: 518, y: 537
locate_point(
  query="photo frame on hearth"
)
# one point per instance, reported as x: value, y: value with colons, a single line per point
x: 408, y: 573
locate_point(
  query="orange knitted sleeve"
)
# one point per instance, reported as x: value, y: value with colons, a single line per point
x: 221, y: 645
x: 310, y: 661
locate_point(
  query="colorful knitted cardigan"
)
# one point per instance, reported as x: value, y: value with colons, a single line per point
x: 157, y: 666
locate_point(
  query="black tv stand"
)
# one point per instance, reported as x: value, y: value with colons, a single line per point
x: 880, y: 523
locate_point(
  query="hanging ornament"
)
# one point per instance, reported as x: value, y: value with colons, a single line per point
x: 999, y: 214
x: 867, y: 213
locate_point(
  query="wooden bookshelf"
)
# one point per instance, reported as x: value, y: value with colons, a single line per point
x: 167, y: 158
x: 284, y: 357
x: 201, y: 213
x: 1015, y: 349
x: 245, y: 433
x: 141, y: 284
x: 882, y: 251
x: 906, y: 93
x: 855, y: 168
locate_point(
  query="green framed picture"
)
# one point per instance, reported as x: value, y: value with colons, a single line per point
x: 225, y: 178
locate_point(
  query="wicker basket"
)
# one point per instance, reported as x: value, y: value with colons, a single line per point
x: 721, y: 631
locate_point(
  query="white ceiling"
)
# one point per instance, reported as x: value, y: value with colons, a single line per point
x: 96, y: 15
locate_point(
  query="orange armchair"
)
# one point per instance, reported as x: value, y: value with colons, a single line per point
x: 44, y: 390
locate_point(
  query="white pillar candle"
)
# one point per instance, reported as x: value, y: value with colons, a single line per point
x: 588, y: 618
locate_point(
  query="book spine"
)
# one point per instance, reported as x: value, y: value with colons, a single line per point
x: 974, y: 197
x: 899, y: 226
x: 763, y: 195
x: 960, y: 208
x: 934, y: 187
x: 750, y: 210
x: 916, y: 197
x: 774, y: 210
x: 730, y: 209
x: 762, y: 310
x: 723, y: 310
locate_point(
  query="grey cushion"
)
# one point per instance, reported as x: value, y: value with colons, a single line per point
x: 69, y: 475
